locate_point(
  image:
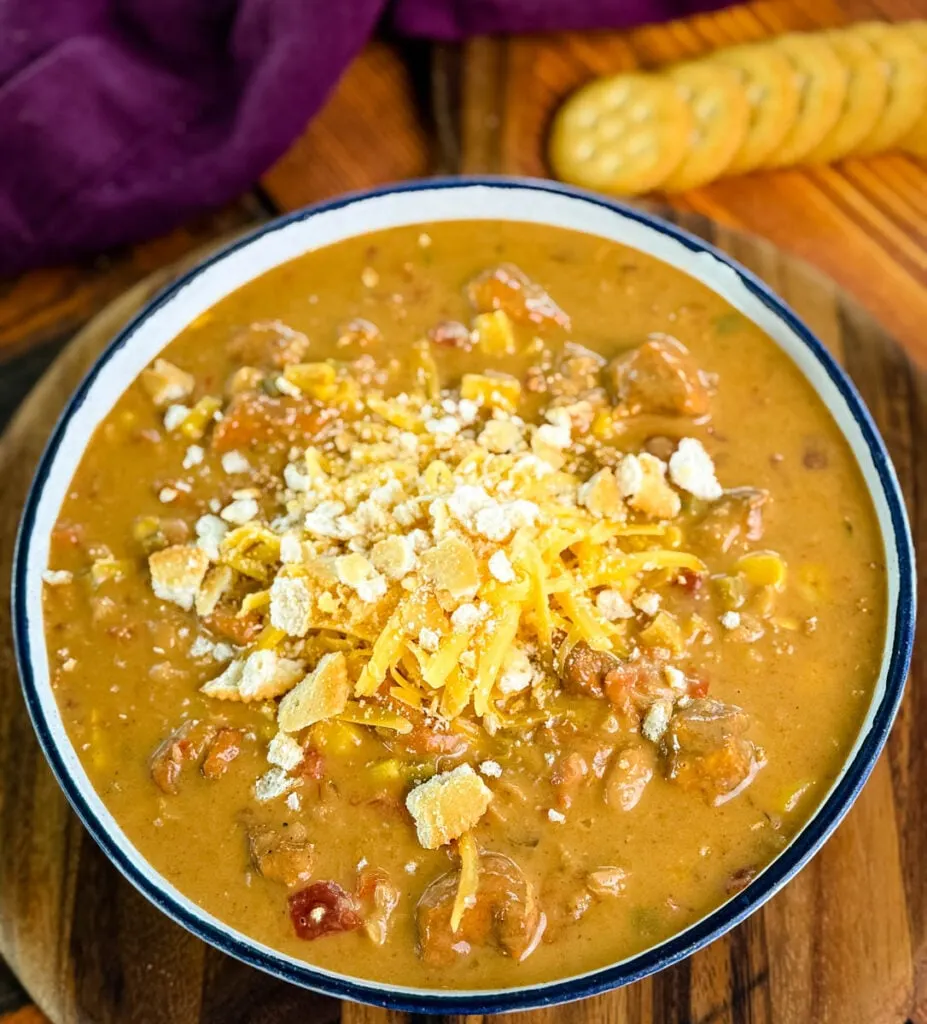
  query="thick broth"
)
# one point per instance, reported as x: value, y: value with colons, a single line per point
x: 806, y: 689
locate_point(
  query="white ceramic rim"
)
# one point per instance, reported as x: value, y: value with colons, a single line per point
x: 423, y: 203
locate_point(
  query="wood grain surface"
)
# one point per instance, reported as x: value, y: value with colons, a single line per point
x: 846, y: 941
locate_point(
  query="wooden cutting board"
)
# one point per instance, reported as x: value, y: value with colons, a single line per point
x: 843, y: 942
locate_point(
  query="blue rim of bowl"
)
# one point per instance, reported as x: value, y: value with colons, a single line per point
x: 674, y: 949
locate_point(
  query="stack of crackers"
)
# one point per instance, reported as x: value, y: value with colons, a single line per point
x: 799, y: 99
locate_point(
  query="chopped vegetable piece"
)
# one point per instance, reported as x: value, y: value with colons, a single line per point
x: 323, y: 908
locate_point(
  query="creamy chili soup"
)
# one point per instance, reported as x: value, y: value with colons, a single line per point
x: 466, y: 605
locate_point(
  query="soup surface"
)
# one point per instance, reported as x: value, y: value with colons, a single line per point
x: 467, y: 605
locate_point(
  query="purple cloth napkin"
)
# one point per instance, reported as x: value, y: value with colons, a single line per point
x: 119, y: 119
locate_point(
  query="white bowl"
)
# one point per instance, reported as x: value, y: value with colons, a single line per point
x: 412, y: 203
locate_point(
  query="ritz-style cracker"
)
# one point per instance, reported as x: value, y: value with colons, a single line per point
x: 915, y: 141
x: 772, y: 94
x: 866, y: 95
x: 822, y: 79
x: 907, y: 83
x: 721, y: 114
x: 623, y: 135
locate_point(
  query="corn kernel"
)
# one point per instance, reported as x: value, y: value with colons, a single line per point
x: 496, y: 390
x: 198, y: 418
x: 494, y: 333
x: 663, y: 631
x: 763, y: 569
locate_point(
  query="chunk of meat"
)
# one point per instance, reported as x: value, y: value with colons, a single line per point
x: 706, y: 750
x: 566, y: 901
x: 506, y: 914
x: 659, y: 377
x: 185, y: 745
x: 690, y: 581
x: 508, y: 288
x: 323, y: 908
x: 227, y: 623
x: 736, y: 518
x: 630, y: 775
x: 222, y: 751
x: 282, y: 855
x: 260, y: 419
x: 585, y: 669
x: 269, y: 344
x: 379, y: 898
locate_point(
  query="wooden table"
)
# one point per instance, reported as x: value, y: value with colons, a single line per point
x: 414, y: 109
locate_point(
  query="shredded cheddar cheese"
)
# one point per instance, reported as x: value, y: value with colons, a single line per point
x: 454, y: 553
x: 469, y: 878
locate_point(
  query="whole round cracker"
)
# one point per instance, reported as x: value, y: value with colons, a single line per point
x: 769, y: 86
x: 915, y: 141
x: 624, y: 134
x: 907, y: 83
x: 721, y: 116
x: 866, y: 96
x: 822, y: 84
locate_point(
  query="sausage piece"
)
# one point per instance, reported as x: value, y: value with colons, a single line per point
x: 282, y: 855
x: 706, y: 750
x: 585, y: 669
x: 659, y: 377
x: 506, y: 914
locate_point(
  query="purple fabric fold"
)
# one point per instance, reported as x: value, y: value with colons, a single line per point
x: 120, y: 119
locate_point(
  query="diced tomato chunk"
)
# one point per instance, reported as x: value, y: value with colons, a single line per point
x: 240, y: 629
x: 261, y: 419
x: 424, y: 740
x: 322, y: 909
